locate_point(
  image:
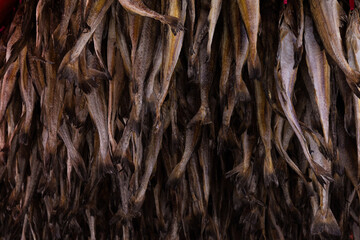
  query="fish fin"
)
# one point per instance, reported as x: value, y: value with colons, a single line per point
x: 241, y: 174
x: 254, y: 69
x: 174, y: 23
x: 354, y: 82
x: 269, y: 173
x: 342, y: 14
x: 325, y: 222
x: 321, y: 174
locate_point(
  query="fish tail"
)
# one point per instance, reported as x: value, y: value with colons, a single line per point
x: 175, y: 176
x: 355, y: 76
x: 325, y: 222
x: 136, y: 126
x: 322, y: 175
x: 242, y: 92
x: 202, y: 116
x: 24, y: 137
x: 254, y: 67
x: 174, y: 23
x: 241, y: 173
x: 295, y: 213
x: 269, y: 172
x: 78, y: 164
x: 106, y: 166
x: 250, y: 216
x: 354, y: 88
x: 222, y: 137
x: 24, y: 133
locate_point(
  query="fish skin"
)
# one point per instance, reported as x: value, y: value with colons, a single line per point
x: 282, y: 146
x: 243, y: 171
x: 28, y: 95
x: 93, y: 20
x: 97, y: 38
x: 117, y: 72
x: 326, y: 15
x: 42, y: 28
x: 324, y: 220
x: 285, y: 76
x: 263, y: 114
x: 123, y: 47
x: 171, y: 53
x: 242, y: 50
x: 138, y: 7
x: 23, y: 24
x: 52, y: 103
x: 98, y: 112
x: 143, y: 58
x: 205, y: 77
x: 201, y: 32
x: 226, y: 59
x: 214, y: 13
x: 157, y: 63
x: 7, y: 88
x: 192, y: 15
x: 61, y: 32
x: 206, y: 165
x: 32, y: 181
x: 150, y: 162
x: 191, y: 139
x: 74, y: 156
x: 250, y: 13
x: 319, y: 71
x: 353, y: 53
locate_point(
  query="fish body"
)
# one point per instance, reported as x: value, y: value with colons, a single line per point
x: 138, y: 7
x: 353, y: 52
x: 285, y: 75
x: 263, y: 114
x: 319, y: 71
x: 250, y: 13
x: 214, y: 13
x: 327, y: 15
x: 171, y: 53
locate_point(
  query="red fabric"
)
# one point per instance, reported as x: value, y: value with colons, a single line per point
x: 285, y: 1
x: 6, y: 7
x: 352, y: 4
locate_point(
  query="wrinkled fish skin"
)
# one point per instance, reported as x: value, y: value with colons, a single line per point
x: 319, y: 71
x: 353, y: 51
x: 285, y: 76
x: 116, y: 121
x: 138, y: 7
x: 250, y: 13
x: 327, y: 16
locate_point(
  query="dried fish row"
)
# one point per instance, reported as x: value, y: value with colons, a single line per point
x: 180, y: 119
